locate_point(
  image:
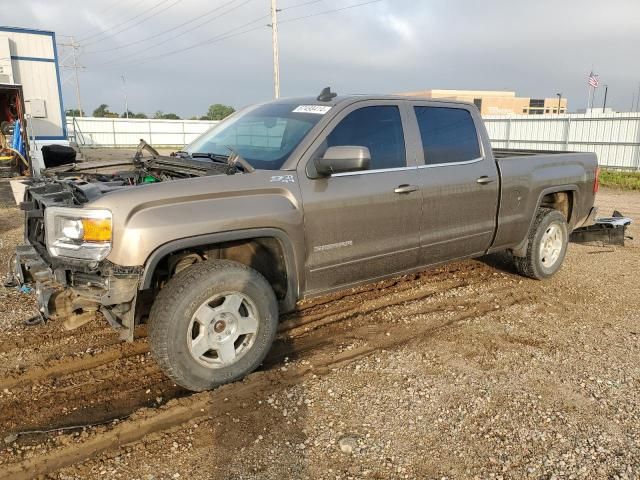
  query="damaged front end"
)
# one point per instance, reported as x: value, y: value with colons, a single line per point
x: 64, y: 256
x: 75, y: 292
x: 66, y: 243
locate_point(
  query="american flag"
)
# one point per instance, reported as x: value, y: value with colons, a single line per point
x: 594, y: 80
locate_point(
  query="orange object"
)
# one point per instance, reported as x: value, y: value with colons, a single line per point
x: 96, y: 229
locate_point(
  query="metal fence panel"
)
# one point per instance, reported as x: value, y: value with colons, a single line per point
x: 123, y: 132
x: 615, y: 138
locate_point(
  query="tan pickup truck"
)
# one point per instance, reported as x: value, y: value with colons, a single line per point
x: 282, y: 201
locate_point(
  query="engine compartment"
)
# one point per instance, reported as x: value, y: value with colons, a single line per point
x: 80, y: 183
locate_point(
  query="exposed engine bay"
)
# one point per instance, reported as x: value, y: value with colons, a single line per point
x: 79, y: 183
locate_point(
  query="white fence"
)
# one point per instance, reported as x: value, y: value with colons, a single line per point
x: 615, y: 138
x: 123, y: 132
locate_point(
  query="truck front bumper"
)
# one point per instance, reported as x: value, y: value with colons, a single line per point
x: 76, y: 295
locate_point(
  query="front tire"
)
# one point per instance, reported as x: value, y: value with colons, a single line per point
x: 547, y: 247
x: 213, y: 323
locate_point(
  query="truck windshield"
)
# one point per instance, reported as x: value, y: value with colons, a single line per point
x: 264, y: 136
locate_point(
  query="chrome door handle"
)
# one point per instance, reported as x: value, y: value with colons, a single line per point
x: 406, y: 188
x: 484, y: 180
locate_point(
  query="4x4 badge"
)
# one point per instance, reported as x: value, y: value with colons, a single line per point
x: 283, y: 179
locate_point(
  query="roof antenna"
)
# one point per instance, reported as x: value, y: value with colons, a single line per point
x: 326, y: 95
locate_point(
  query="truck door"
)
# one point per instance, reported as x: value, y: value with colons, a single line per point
x: 361, y: 225
x: 458, y: 181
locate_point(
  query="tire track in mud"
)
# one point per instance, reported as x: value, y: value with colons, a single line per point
x: 114, y: 385
x: 60, y: 368
x: 348, y: 305
x: 82, y: 397
x: 261, y: 384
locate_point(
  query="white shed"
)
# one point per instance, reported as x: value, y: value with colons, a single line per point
x: 29, y: 57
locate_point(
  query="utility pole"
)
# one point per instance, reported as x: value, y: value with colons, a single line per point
x: 559, y: 101
x: 75, y: 47
x: 638, y: 99
x: 124, y: 90
x: 604, y: 104
x: 276, y: 52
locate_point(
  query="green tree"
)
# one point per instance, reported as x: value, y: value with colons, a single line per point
x: 165, y: 116
x: 134, y: 115
x: 218, y: 112
x: 102, y: 111
x: 73, y: 112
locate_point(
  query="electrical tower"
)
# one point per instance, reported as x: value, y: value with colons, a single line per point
x: 70, y: 62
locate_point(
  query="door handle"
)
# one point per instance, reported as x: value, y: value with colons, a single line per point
x: 484, y: 180
x: 406, y: 188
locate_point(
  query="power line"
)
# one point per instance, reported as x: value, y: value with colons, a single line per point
x: 326, y: 12
x: 298, y: 5
x: 223, y: 36
x: 113, y: 5
x: 234, y: 31
x: 199, y: 17
x: 155, y: 14
x: 118, y: 28
x: 102, y: 32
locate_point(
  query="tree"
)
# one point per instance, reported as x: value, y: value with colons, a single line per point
x: 218, y: 111
x: 73, y: 112
x: 102, y: 111
x: 165, y: 116
x: 134, y: 115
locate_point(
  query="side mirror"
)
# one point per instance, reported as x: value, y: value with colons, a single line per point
x: 343, y: 159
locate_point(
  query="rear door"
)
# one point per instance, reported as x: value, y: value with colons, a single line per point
x: 458, y: 181
x: 361, y: 225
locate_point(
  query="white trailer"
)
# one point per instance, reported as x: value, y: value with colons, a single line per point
x: 29, y: 58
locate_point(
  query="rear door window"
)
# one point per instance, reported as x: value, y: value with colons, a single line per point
x: 448, y: 135
x: 379, y: 128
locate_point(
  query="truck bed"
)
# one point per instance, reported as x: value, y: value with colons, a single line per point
x: 499, y: 153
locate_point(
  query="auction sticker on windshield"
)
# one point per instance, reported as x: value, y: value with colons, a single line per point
x: 317, y: 109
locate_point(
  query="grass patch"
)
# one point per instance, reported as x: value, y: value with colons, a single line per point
x: 623, y: 180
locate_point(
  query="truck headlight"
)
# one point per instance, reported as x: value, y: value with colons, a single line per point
x: 78, y: 232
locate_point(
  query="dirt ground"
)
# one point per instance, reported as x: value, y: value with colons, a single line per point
x: 466, y: 371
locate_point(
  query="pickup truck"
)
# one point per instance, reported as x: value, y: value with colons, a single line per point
x: 282, y: 201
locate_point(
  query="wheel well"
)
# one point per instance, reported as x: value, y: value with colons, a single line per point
x: 561, y: 201
x: 263, y: 254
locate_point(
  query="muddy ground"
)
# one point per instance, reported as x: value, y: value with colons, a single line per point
x: 466, y: 371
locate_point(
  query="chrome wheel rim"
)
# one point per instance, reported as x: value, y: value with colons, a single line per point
x: 222, y: 329
x: 551, y: 245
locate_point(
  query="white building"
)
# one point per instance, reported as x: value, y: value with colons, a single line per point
x: 29, y: 58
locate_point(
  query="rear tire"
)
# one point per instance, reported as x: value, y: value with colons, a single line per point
x: 213, y: 323
x: 547, y: 247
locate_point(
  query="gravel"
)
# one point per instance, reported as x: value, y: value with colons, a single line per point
x: 543, y: 382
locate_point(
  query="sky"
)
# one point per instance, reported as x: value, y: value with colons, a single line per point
x: 174, y: 55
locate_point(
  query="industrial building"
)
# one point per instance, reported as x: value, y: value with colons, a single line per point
x: 499, y: 102
x: 30, y: 90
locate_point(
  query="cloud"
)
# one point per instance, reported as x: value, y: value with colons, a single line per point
x: 536, y: 48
